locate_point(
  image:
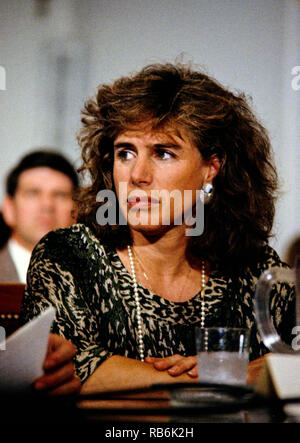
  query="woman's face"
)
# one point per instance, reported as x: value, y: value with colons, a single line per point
x: 156, y: 176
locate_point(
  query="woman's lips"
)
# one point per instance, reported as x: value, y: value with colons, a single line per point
x: 141, y: 202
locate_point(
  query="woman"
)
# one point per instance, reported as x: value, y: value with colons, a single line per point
x: 129, y: 293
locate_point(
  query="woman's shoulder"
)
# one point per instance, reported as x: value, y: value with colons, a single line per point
x: 67, y: 245
x: 267, y: 258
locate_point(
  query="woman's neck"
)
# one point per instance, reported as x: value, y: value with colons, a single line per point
x: 162, y: 265
x: 165, y: 254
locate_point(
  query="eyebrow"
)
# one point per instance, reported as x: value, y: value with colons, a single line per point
x: 123, y: 145
x: 156, y: 145
x: 167, y: 145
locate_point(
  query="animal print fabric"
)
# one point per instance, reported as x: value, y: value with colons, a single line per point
x: 92, y: 293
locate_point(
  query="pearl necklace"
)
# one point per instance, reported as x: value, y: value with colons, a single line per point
x: 141, y: 347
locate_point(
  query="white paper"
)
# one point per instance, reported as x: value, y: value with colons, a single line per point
x: 280, y: 376
x: 284, y: 371
x: 22, y: 361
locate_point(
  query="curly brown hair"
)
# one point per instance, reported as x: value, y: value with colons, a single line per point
x: 239, y: 218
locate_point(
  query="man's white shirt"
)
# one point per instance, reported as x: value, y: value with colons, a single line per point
x: 21, y: 258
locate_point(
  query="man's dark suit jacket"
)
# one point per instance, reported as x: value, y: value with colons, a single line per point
x: 8, y: 272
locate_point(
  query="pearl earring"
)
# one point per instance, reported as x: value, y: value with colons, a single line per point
x: 207, y: 191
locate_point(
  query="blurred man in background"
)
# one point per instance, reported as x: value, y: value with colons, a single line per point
x: 38, y: 199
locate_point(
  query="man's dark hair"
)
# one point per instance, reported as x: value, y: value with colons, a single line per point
x: 42, y: 158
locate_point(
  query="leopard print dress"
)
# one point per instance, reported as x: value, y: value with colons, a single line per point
x: 92, y: 293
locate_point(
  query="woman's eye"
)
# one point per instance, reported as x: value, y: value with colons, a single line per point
x: 164, y: 155
x: 124, y: 154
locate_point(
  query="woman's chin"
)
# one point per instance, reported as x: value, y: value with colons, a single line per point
x: 150, y: 229
x: 158, y: 230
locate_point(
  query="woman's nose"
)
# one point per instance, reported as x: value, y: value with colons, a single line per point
x: 141, y: 172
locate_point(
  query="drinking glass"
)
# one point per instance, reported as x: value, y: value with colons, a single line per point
x: 222, y: 355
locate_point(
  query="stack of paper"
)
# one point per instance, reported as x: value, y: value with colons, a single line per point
x: 280, y: 376
x: 22, y: 356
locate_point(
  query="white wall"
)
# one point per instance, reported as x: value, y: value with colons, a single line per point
x: 55, y: 61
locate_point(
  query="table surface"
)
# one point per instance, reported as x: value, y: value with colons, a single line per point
x: 145, y: 407
x: 162, y: 406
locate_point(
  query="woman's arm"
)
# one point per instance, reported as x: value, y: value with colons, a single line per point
x: 118, y: 373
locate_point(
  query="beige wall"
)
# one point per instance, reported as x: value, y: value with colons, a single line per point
x: 54, y: 61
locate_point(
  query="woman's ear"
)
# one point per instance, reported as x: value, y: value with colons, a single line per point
x: 8, y: 211
x: 214, y: 165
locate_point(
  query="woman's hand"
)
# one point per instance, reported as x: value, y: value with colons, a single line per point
x: 59, y: 373
x: 175, y: 365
